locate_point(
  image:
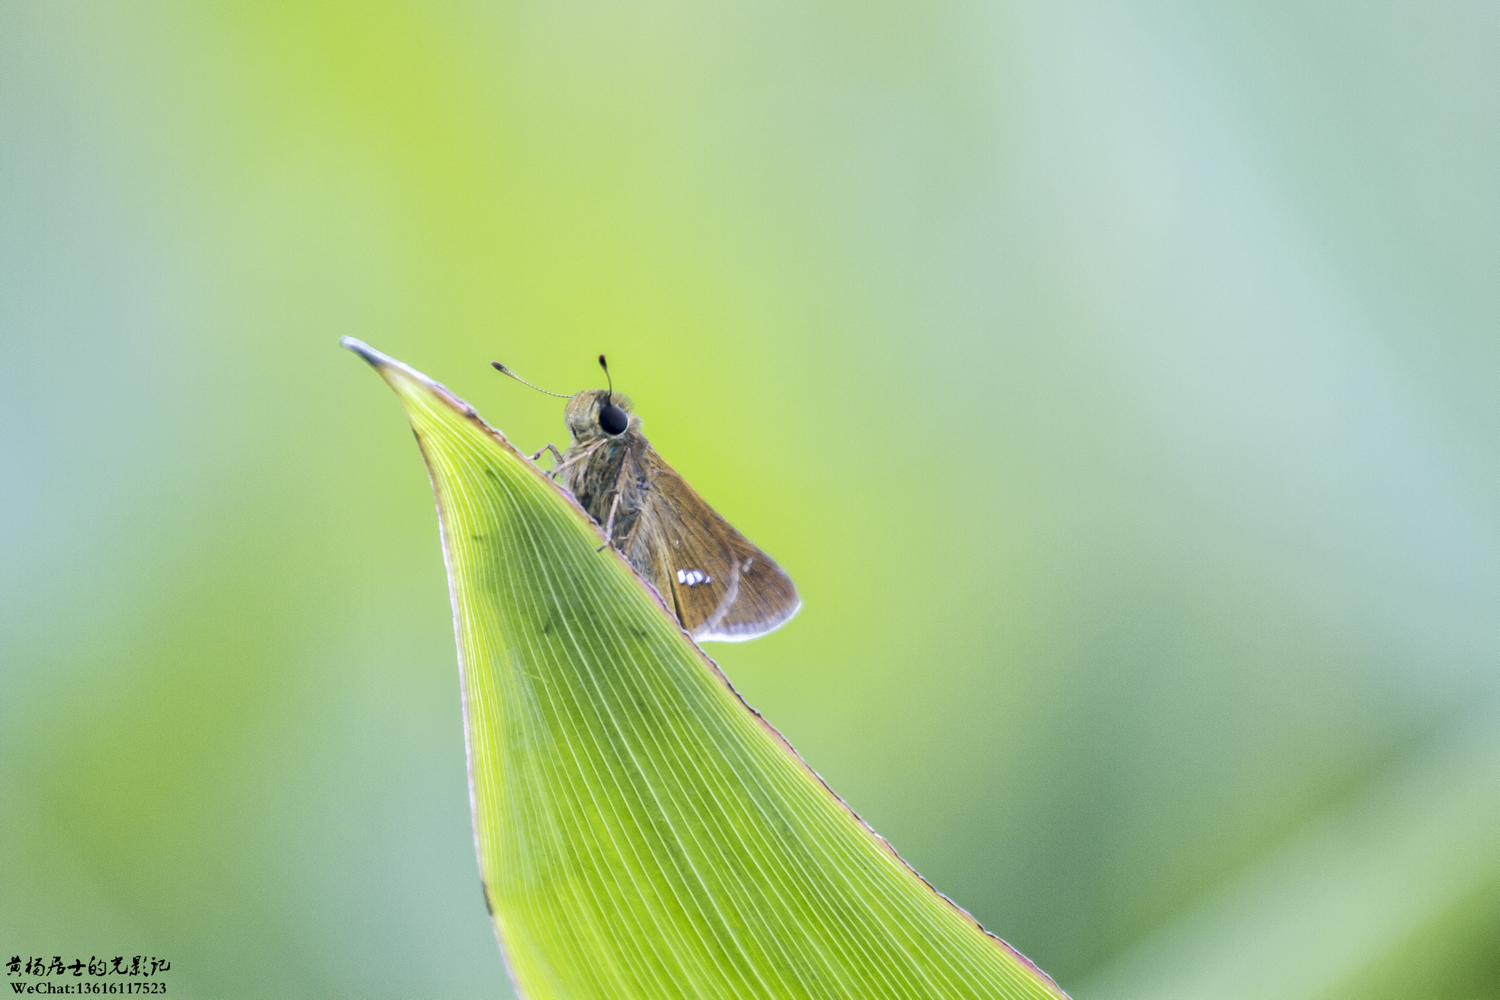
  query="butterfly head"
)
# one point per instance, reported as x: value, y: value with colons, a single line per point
x: 592, y: 413
x: 596, y: 413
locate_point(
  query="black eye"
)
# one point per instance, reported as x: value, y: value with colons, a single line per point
x: 613, y: 419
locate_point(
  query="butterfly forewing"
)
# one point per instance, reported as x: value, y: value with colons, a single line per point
x: 722, y: 587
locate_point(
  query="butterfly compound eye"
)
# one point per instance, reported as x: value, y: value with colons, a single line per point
x: 613, y: 419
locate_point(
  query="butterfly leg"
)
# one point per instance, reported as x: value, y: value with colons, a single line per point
x: 556, y: 455
x: 609, y: 525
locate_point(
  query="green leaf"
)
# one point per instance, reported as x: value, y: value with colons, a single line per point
x: 641, y: 831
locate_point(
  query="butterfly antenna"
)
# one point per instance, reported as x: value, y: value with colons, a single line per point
x: 607, y: 378
x: 506, y: 371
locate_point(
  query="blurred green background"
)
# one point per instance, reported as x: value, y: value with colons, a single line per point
x: 1117, y: 381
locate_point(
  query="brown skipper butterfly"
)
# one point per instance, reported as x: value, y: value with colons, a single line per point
x: 720, y: 585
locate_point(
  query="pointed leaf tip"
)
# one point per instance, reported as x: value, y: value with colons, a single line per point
x: 364, y: 350
x: 396, y: 372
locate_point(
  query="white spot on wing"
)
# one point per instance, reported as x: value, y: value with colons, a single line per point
x: 690, y: 577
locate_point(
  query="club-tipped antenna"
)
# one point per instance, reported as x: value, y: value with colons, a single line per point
x: 603, y: 364
x: 506, y: 371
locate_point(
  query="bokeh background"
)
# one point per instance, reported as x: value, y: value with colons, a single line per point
x: 1117, y: 381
